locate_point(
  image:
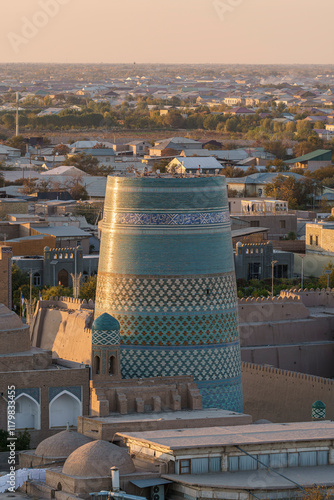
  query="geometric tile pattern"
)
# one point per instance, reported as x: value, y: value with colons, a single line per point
x: 33, y: 393
x: 167, y: 294
x: 170, y: 219
x: 222, y: 394
x: 177, y: 330
x: 204, y: 363
x: 75, y: 390
x: 106, y: 337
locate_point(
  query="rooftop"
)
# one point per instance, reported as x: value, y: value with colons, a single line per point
x: 211, y: 437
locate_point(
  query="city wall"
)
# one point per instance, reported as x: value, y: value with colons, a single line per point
x: 284, y: 396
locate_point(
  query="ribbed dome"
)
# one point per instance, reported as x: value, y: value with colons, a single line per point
x: 61, y: 445
x: 106, y: 322
x: 95, y: 459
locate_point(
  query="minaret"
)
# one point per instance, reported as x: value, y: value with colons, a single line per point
x: 106, y: 339
x: 166, y: 273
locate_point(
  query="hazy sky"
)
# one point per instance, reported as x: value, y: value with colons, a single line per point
x: 167, y: 31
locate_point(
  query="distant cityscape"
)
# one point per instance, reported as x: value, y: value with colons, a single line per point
x: 167, y: 272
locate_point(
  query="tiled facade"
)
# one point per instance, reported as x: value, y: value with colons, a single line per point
x: 166, y: 273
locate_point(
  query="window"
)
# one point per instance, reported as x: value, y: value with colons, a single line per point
x: 199, y: 465
x: 282, y: 224
x: 317, y: 240
x: 97, y: 365
x: 185, y: 467
x: 78, y: 243
x: 293, y: 459
x: 323, y: 457
x: 215, y: 464
x: 278, y: 460
x: 233, y: 464
x: 248, y: 463
x: 311, y: 240
x: 308, y: 458
x: 37, y: 279
x: 255, y: 223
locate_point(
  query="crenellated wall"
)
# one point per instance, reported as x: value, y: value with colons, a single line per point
x: 323, y: 297
x: 284, y: 396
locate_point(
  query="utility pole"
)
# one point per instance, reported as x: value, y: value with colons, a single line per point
x: 30, y: 304
x: 273, y: 262
x: 17, y: 113
x: 302, y: 274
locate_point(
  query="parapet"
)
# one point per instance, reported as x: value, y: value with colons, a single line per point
x: 67, y: 303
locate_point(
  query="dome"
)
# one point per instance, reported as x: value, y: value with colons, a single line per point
x: 106, y: 322
x: 96, y: 458
x: 319, y: 405
x: 61, y: 445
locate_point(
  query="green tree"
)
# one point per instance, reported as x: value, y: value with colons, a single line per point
x: 287, y: 188
x: 86, y: 163
x: 323, y: 279
x: 56, y: 291
x: 88, y: 289
x: 18, y: 142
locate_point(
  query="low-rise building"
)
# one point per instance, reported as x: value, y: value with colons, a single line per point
x: 320, y: 238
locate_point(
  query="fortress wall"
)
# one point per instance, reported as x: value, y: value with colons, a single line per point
x: 284, y: 396
x: 312, y: 298
x: 313, y: 358
x: 269, y: 332
x: 254, y: 310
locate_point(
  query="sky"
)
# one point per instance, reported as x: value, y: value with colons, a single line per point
x: 168, y: 31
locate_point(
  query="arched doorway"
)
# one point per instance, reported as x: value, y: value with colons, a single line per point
x: 64, y: 409
x: 63, y: 278
x: 27, y: 412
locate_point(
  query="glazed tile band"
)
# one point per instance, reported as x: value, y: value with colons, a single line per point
x: 170, y: 219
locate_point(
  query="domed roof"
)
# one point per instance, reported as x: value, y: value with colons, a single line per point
x: 61, y: 445
x: 106, y: 322
x: 319, y: 405
x: 96, y: 458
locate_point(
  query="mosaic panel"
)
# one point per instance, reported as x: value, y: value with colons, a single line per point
x: 166, y: 294
x: 171, y: 219
x: 34, y: 393
x: 75, y: 390
x: 177, y: 330
x: 203, y: 362
x: 106, y: 337
x: 226, y: 394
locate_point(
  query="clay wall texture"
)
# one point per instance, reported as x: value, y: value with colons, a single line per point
x: 6, y: 254
x: 166, y: 273
x: 284, y: 396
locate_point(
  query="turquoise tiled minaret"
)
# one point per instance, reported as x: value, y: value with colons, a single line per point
x: 166, y: 273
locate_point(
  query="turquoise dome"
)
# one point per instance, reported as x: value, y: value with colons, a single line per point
x: 106, y: 322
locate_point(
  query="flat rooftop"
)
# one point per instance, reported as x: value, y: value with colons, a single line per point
x: 182, y: 415
x: 254, y: 434
x: 260, y: 479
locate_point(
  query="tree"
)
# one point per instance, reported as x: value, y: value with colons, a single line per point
x: 88, y: 289
x: 86, y: 163
x: 61, y: 149
x: 78, y: 191
x: 56, y: 291
x: 18, y: 142
x: 287, y: 188
x: 29, y: 186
